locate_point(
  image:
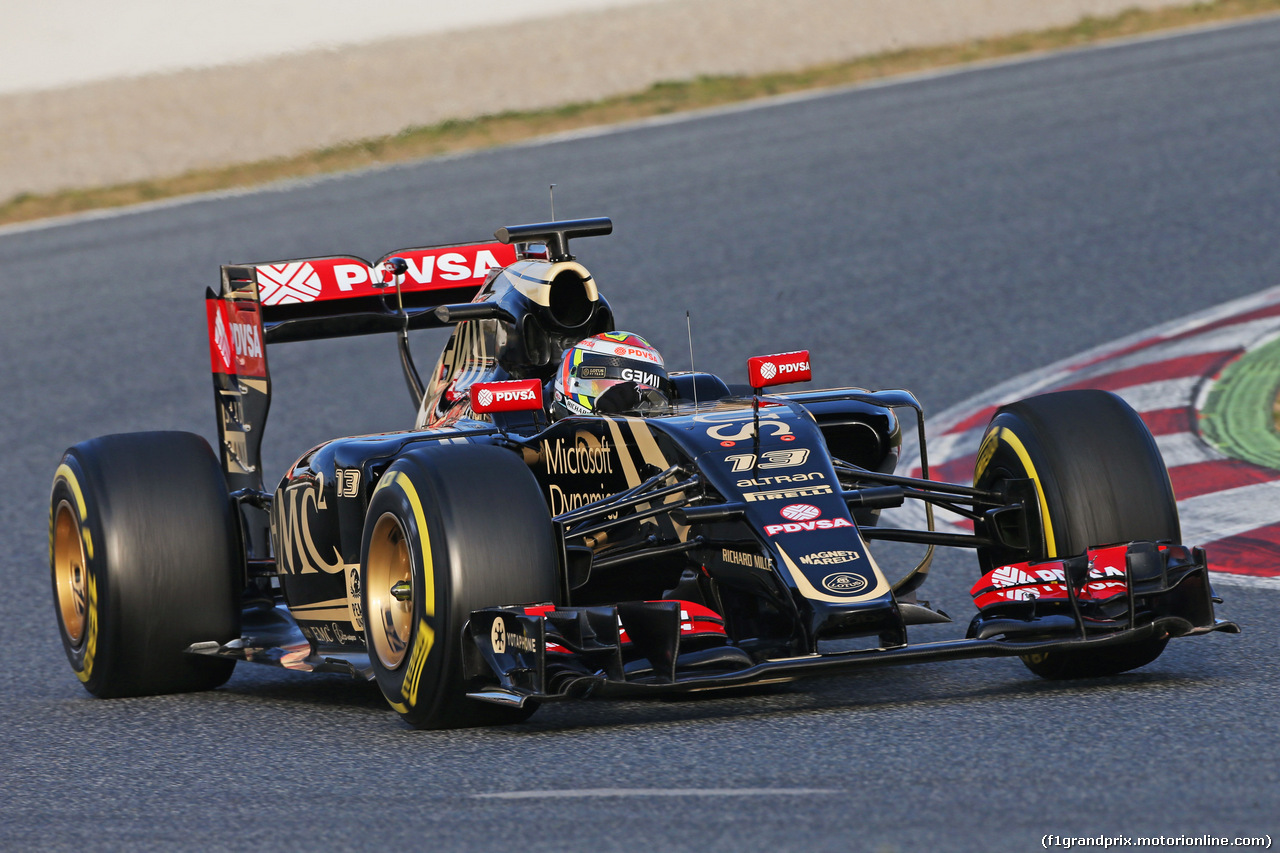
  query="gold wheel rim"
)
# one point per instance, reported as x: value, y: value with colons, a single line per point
x: 70, y: 573
x: 390, y: 620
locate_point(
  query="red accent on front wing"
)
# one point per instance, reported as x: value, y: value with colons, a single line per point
x: 1045, y: 579
x: 695, y: 621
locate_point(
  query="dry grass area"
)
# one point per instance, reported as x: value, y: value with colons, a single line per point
x: 414, y: 143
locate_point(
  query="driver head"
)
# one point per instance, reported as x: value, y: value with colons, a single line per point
x: 610, y: 373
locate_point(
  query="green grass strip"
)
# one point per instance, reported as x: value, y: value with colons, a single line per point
x: 1239, y: 417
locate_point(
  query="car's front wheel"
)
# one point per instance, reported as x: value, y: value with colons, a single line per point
x: 1099, y: 479
x: 449, y: 530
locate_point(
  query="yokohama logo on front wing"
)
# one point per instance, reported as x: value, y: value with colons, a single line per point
x: 518, y: 396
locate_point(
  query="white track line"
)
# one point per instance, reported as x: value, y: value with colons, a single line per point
x: 590, y: 793
x: 1161, y: 394
x: 1186, y: 448
x: 1221, y: 515
x: 1252, y: 581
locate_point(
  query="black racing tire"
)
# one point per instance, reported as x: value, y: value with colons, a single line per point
x: 1099, y: 480
x: 466, y: 527
x: 145, y: 560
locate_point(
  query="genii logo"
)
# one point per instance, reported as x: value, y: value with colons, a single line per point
x: 516, y: 396
x: 653, y: 380
x: 766, y: 370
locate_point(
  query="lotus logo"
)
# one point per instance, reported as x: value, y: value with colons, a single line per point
x: 485, y: 397
x: 799, y: 512
x: 844, y: 582
x: 768, y: 370
x: 498, y: 636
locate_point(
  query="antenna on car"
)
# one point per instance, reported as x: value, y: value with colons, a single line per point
x: 552, y: 190
x: 689, y: 325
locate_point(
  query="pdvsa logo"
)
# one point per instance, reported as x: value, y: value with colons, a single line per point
x: 778, y: 369
x: 806, y: 526
x: 247, y: 340
x: 800, y: 512
x: 844, y: 583
x: 284, y: 284
x: 519, y: 395
x: 769, y: 370
x: 220, y: 338
x: 511, y: 396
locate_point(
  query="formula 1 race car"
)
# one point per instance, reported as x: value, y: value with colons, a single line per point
x: 664, y: 533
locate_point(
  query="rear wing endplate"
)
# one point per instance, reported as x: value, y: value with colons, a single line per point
x: 314, y: 298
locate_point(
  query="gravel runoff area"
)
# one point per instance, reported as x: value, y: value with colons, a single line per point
x: 113, y: 131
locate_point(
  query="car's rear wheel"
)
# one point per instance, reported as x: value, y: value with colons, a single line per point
x: 1099, y: 479
x: 145, y: 561
x: 449, y: 530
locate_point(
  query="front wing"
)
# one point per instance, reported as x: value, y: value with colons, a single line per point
x: 1104, y: 598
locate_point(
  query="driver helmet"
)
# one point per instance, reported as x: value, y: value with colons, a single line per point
x: 610, y: 373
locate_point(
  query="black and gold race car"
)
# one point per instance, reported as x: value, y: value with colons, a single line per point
x: 506, y: 552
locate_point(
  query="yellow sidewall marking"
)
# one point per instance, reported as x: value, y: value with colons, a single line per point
x: 424, y: 639
x: 64, y: 472
x: 424, y: 635
x: 985, y: 452
x: 68, y: 476
x: 91, y: 631
x: 424, y: 539
x: 1008, y: 437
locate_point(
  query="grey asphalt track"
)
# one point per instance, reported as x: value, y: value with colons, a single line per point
x: 940, y: 235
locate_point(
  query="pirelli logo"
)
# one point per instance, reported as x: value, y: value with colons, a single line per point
x: 779, y: 494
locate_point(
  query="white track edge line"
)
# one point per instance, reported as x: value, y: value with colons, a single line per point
x: 598, y: 793
x: 1254, y: 581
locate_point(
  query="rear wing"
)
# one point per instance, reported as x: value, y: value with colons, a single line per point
x: 334, y: 296
x: 314, y: 298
